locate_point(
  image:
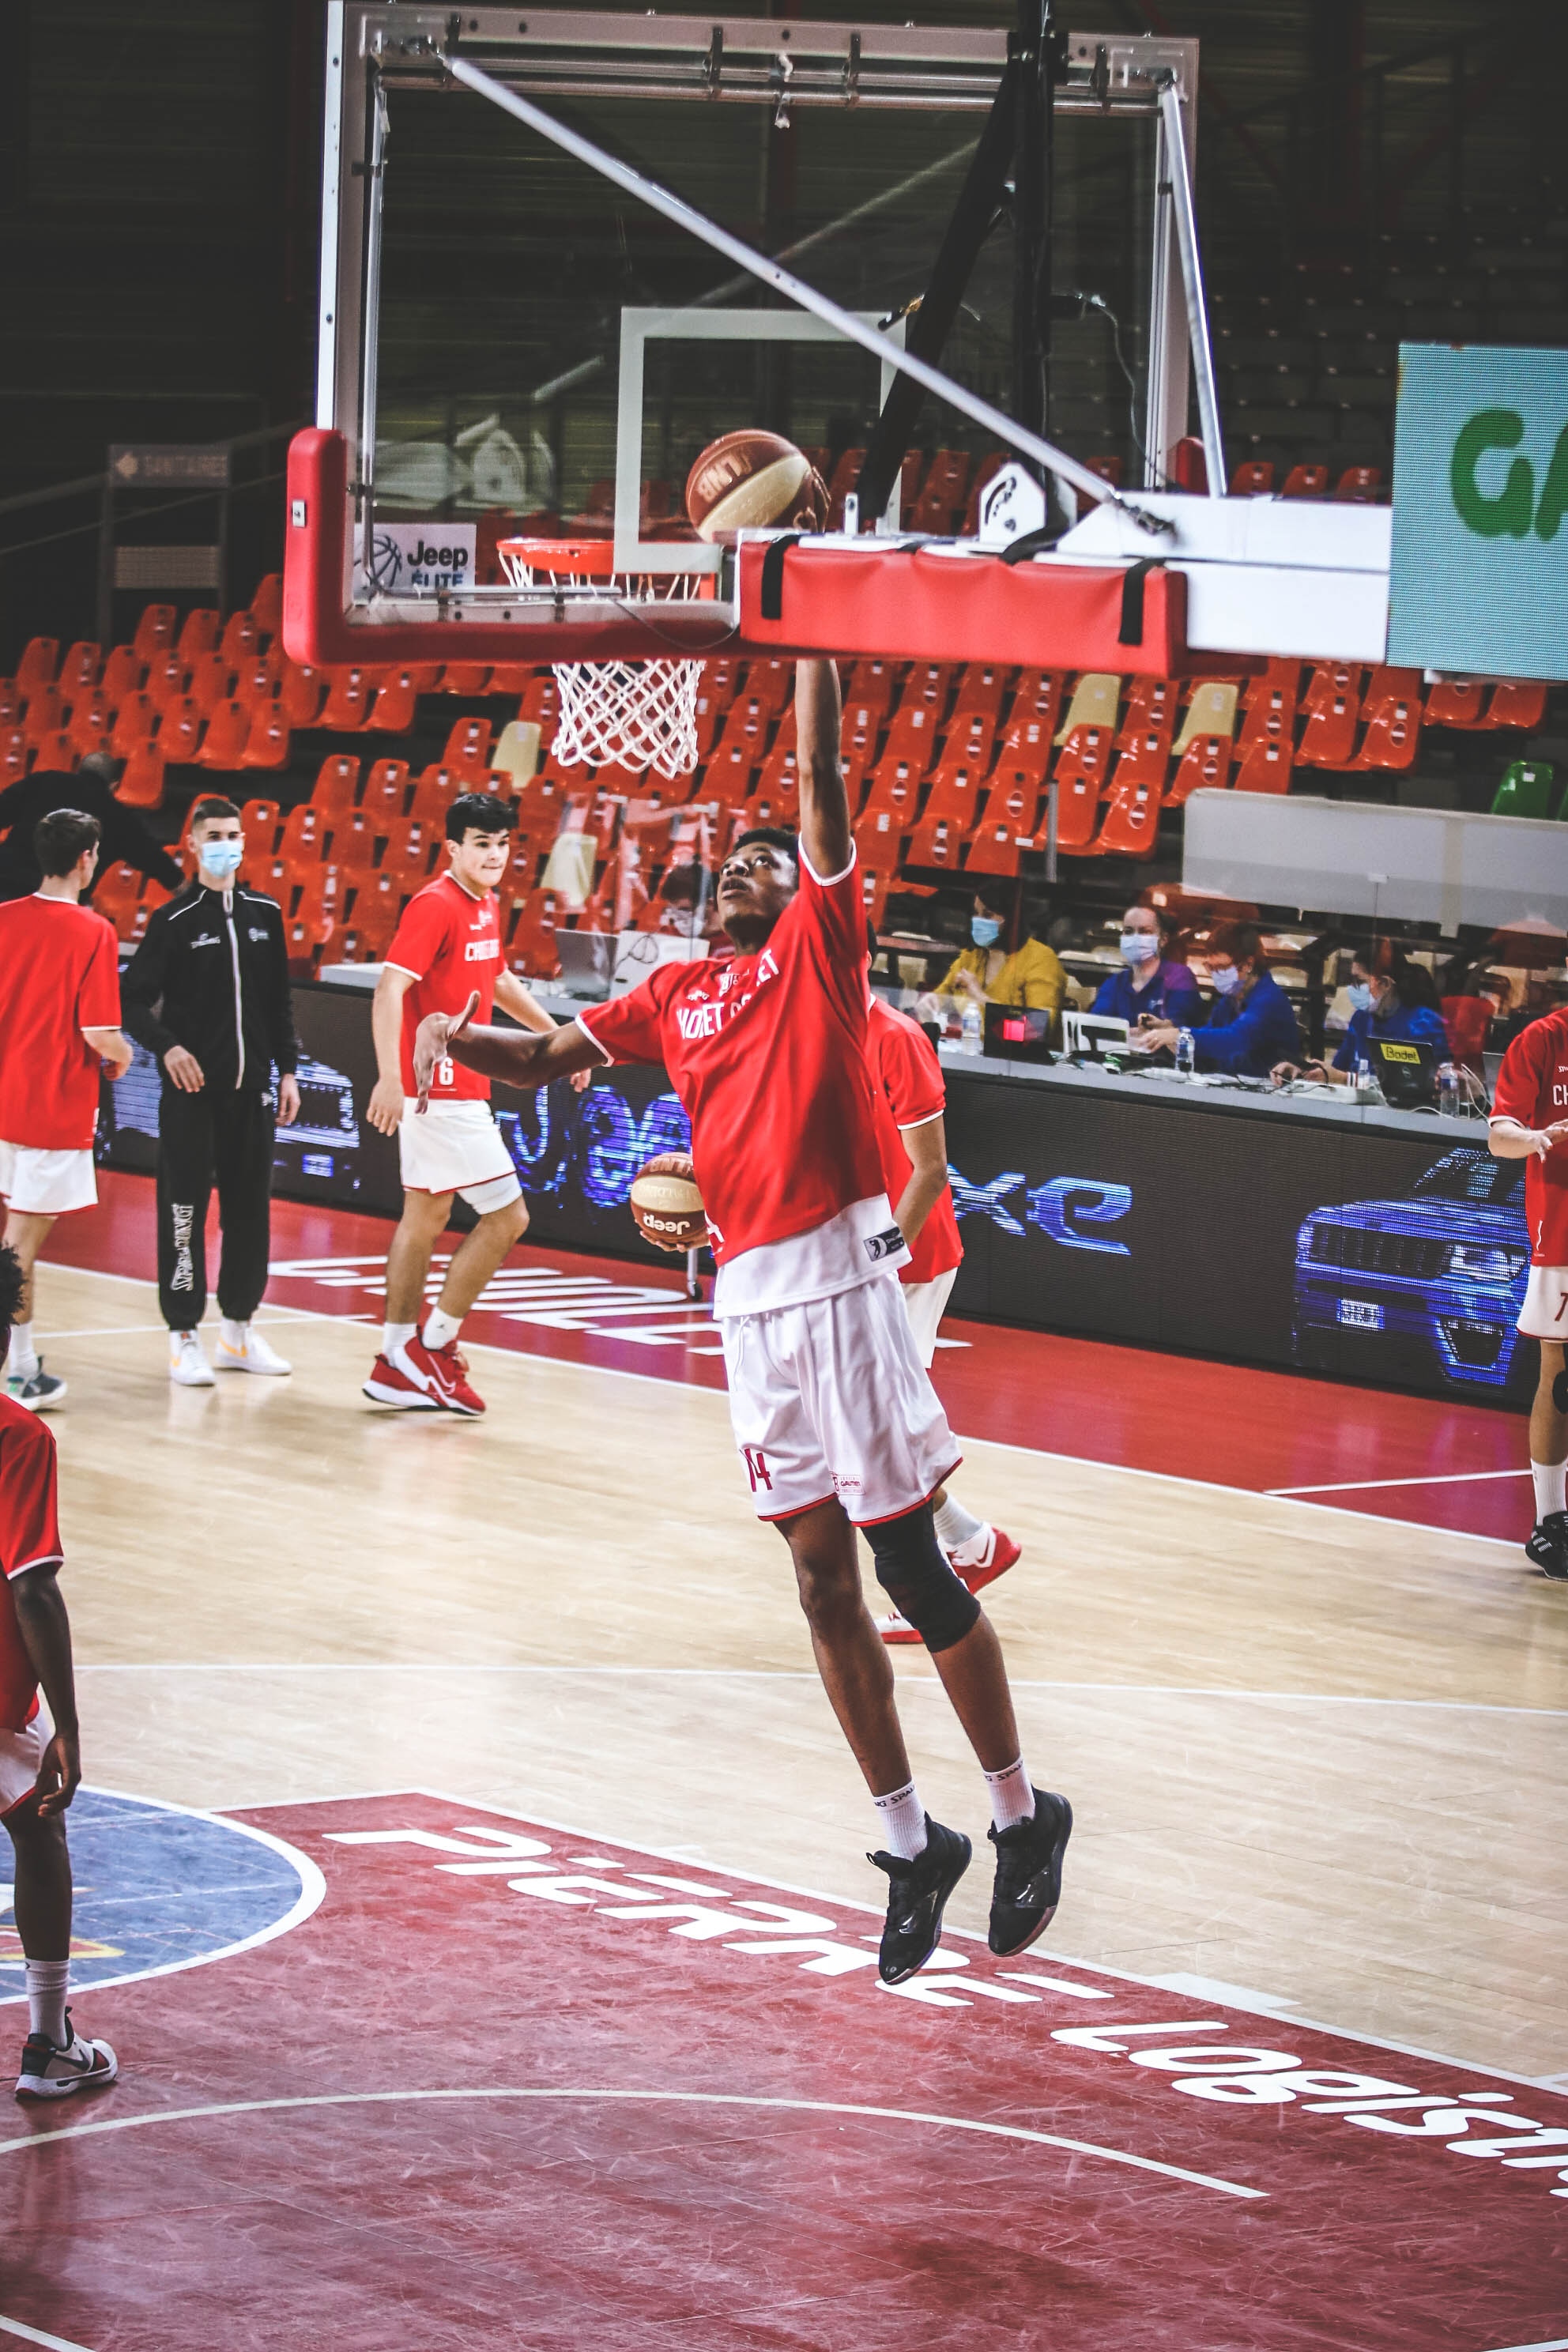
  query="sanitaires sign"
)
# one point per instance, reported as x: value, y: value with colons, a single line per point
x: 1480, y: 578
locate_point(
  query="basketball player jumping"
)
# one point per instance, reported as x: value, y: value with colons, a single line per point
x: 836, y: 1422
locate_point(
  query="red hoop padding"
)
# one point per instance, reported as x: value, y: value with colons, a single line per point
x: 862, y: 598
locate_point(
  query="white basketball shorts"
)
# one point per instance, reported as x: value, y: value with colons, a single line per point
x: 925, y: 1304
x: 1544, y: 1314
x: 21, y: 1760
x: 456, y: 1146
x: 46, y: 1183
x: 831, y: 1399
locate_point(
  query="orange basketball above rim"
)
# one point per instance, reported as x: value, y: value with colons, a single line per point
x: 754, y: 481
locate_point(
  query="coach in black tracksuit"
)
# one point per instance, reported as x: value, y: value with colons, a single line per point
x: 207, y: 992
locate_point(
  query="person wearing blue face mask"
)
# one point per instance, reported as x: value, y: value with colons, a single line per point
x: 1151, y: 985
x: 989, y: 972
x: 1389, y: 998
x: 207, y: 992
x: 1251, y: 1025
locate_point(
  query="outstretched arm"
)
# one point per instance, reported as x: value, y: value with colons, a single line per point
x: 824, y: 835
x: 518, y: 1058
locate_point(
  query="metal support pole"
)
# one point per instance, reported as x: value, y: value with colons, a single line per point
x: 1051, y: 831
x: 106, y: 561
x: 1036, y: 41
x: 1193, y: 285
x: 685, y: 216
x: 371, y: 314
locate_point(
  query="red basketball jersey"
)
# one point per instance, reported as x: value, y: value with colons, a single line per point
x: 30, y: 1538
x: 450, y: 942
x: 1532, y: 1088
x: 911, y: 1089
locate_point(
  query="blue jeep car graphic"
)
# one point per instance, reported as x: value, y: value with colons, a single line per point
x: 1431, y: 1283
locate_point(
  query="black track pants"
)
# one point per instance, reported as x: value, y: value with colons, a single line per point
x: 206, y: 1138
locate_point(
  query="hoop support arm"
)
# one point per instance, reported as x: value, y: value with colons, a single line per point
x: 684, y: 216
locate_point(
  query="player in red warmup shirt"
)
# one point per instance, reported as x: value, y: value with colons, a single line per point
x: 448, y: 949
x: 1529, y: 1121
x: 836, y: 1423
x: 40, y: 1762
x: 911, y: 1141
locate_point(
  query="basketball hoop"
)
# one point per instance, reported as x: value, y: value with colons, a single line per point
x: 626, y: 714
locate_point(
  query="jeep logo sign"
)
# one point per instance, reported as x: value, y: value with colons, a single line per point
x: 1480, y: 579
x: 415, y: 558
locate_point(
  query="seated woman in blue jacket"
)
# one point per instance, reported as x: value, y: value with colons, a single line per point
x: 1151, y: 984
x: 1394, y: 998
x: 1251, y: 1026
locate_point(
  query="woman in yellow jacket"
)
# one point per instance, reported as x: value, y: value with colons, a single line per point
x: 1032, y: 974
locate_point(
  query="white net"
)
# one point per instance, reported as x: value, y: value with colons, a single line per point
x: 624, y: 714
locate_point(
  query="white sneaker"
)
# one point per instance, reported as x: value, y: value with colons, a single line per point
x: 188, y: 1368
x: 255, y: 1356
x: 49, y: 2072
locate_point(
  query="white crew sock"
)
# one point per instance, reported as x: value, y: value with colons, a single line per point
x: 955, y: 1526
x: 396, y: 1335
x: 47, y: 1985
x: 235, y: 1334
x: 24, y: 1356
x: 1550, y: 1487
x: 439, y: 1329
x: 1012, y: 1798
x: 903, y: 1821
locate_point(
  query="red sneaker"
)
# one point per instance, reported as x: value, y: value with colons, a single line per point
x: 985, y: 1558
x: 450, y: 1372
x: 389, y: 1385
x: 894, y: 1628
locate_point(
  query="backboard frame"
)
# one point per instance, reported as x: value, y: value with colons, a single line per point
x: 376, y: 48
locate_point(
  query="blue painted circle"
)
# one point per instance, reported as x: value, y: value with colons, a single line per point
x: 155, y: 1887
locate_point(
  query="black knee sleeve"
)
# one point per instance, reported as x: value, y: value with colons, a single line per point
x: 915, y: 1576
x: 1560, y: 1391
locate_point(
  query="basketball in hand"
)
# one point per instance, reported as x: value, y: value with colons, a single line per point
x: 667, y: 1204
x: 754, y: 481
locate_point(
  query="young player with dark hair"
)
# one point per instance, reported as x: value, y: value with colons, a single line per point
x: 836, y: 1421
x: 59, y: 1026
x: 448, y: 946
x: 40, y: 1766
x: 207, y: 992
x: 911, y: 1140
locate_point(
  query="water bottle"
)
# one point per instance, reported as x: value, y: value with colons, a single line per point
x: 1447, y: 1091
x: 1187, y: 1055
x: 972, y: 1029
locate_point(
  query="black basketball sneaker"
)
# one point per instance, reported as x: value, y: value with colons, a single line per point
x: 917, y: 1898
x: 1548, y: 1546
x: 1028, y: 1874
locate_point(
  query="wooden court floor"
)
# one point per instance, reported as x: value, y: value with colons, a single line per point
x: 1317, y: 1760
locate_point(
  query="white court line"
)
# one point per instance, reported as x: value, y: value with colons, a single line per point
x: 1366, y: 1485
x: 19, y: 2328
x: 209, y: 1323
x: 1557, y: 2344
x: 662, y: 2098
x: 905, y: 1681
x: 1002, y: 1444
x: 312, y: 1891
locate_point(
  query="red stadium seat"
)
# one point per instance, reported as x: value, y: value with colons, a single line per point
x: 304, y: 833
x: 1385, y: 685
x: 1078, y: 806
x: 386, y: 790
x: 1331, y: 680
x: 912, y: 736
x: 228, y: 731
x: 981, y: 686
x: 1269, y: 721
x: 154, y: 633
x: 469, y: 747
x: 1145, y: 760
x: 955, y: 795
x: 1282, y: 676
x: 895, y: 793
x: 45, y: 713
x: 771, y: 682
x: 1204, y: 766
x: 880, y: 836
x: 1264, y: 768
x: 929, y: 687
x: 1254, y: 477
x: 90, y: 724
x: 874, y: 684
x: 199, y: 633
x: 241, y: 639
x: 1359, y: 484
x: 166, y: 680
x: 353, y: 840
x: 464, y: 677
x: 729, y: 775
x: 1306, y: 482
x: 1456, y: 703
x: 971, y: 740
x: 349, y: 698
x: 1468, y: 1020
x: 53, y: 752
x: 13, y: 755
x: 396, y: 707
x: 1132, y: 822
x: 1150, y: 702
x: 411, y: 848
x: 80, y: 669
x: 1393, y: 732
x: 336, y: 787
x: 134, y: 725
x: 530, y: 948
x: 267, y: 605
x: 1516, y: 702
x: 936, y: 844
x: 180, y: 731
x: 1328, y: 740
x: 1086, y: 752
x: 260, y: 820
x: 141, y: 783
x: 1014, y: 798
x: 994, y: 849
x: 41, y: 660
x: 268, y: 741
